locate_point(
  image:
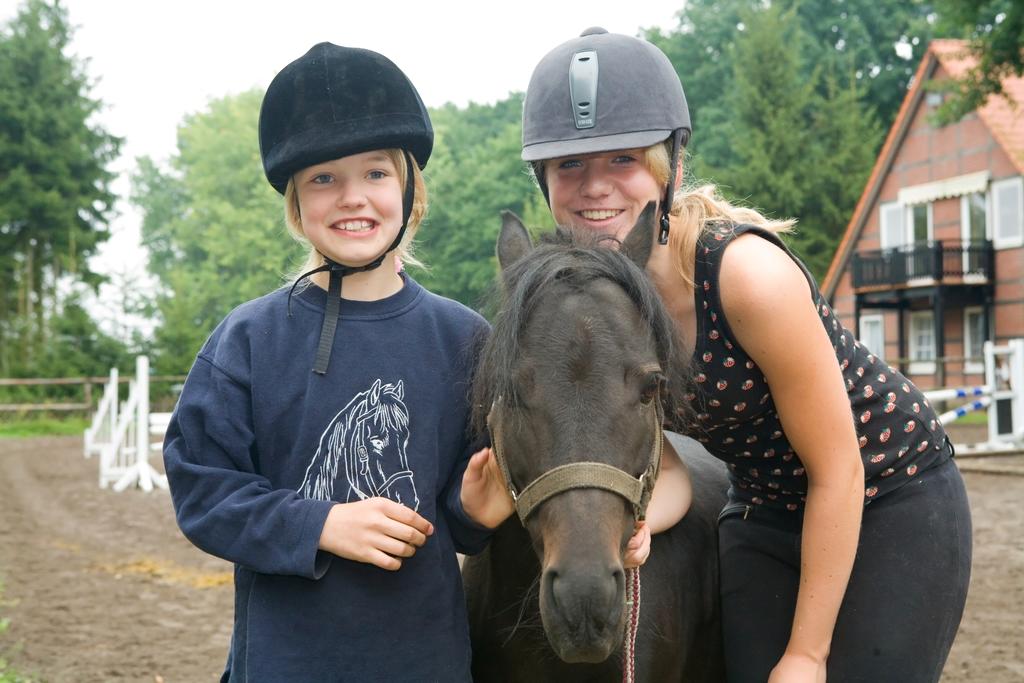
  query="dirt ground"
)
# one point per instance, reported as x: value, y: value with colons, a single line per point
x: 101, y: 586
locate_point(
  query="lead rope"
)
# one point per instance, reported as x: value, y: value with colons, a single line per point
x: 632, y: 622
x: 633, y: 576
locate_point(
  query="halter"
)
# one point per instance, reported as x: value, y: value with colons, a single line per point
x: 587, y: 474
x: 597, y: 475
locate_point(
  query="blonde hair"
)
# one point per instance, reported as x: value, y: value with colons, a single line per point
x: 698, y: 207
x: 314, y: 259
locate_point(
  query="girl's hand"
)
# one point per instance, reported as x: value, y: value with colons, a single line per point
x: 485, y: 497
x: 638, y: 549
x: 794, y: 668
x: 376, y: 531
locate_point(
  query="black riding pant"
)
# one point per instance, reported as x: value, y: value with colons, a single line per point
x: 902, y: 606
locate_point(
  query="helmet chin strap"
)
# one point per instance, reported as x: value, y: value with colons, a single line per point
x: 673, y: 163
x: 338, y: 271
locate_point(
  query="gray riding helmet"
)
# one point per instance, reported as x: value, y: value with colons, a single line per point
x: 602, y: 92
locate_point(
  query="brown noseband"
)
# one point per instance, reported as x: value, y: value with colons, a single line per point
x: 577, y: 475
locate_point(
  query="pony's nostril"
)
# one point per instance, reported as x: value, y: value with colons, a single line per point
x: 551, y: 583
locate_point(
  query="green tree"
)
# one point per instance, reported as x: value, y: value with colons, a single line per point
x: 995, y: 31
x: 213, y: 226
x: 860, y: 38
x: 699, y: 48
x: 845, y: 139
x: 55, y: 197
x: 853, y: 39
x: 807, y: 155
x: 75, y: 347
x: 78, y: 347
x: 474, y: 173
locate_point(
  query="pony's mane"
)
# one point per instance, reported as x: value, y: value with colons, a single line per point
x: 576, y: 258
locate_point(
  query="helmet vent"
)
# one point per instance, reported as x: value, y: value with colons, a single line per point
x: 583, y: 87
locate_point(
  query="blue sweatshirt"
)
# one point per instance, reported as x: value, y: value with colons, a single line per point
x: 260, y: 448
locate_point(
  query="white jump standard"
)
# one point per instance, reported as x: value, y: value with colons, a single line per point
x: 122, y: 432
x: 1002, y: 395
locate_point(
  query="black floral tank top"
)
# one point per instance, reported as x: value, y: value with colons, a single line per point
x: 735, y: 416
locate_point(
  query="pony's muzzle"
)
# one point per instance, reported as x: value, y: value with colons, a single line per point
x: 583, y: 611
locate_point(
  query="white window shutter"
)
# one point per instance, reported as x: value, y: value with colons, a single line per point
x: 891, y: 233
x: 1008, y: 213
x: 872, y: 334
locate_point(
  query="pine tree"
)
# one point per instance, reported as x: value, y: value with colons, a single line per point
x: 800, y: 146
x: 55, y: 197
x: 699, y: 49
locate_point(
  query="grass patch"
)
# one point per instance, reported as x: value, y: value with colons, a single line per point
x: 978, y: 417
x: 42, y: 426
x: 7, y: 674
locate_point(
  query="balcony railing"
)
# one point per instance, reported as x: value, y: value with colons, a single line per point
x: 923, y: 261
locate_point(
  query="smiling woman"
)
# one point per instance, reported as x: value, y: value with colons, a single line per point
x: 825, y: 506
x: 603, y: 192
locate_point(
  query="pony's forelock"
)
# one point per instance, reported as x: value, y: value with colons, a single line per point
x: 579, y: 259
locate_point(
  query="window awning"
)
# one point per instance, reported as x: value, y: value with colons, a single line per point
x: 941, y: 189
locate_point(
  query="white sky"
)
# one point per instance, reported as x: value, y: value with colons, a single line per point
x: 155, y: 62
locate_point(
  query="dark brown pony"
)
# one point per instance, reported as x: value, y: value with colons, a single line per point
x: 581, y: 349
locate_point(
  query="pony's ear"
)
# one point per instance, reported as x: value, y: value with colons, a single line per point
x: 640, y: 240
x: 513, y: 240
x: 375, y: 392
x: 400, y: 390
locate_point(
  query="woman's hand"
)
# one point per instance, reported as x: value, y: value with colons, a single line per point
x: 376, y: 531
x: 485, y: 496
x: 638, y: 549
x: 794, y: 668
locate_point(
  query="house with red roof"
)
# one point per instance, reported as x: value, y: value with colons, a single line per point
x: 932, y: 262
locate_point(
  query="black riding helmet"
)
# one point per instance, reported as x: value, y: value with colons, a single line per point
x: 602, y: 92
x: 336, y: 101
x: 333, y: 102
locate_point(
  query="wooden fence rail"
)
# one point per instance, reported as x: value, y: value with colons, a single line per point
x: 86, y: 383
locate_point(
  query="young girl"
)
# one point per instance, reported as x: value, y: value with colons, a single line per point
x: 826, y: 445
x: 320, y: 442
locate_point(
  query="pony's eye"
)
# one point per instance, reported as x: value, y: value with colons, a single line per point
x: 652, y: 388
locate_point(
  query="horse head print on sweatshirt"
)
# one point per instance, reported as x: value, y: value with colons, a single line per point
x: 368, y: 437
